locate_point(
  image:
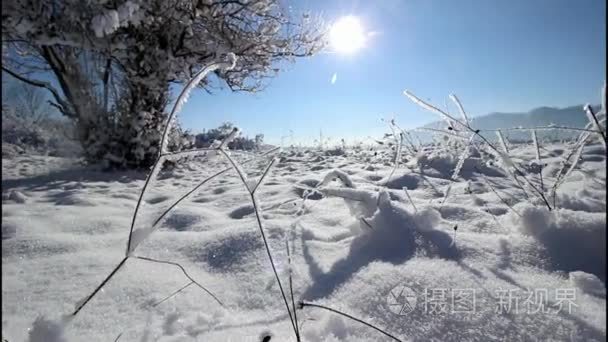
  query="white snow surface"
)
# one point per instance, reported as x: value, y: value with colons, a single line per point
x: 65, y: 227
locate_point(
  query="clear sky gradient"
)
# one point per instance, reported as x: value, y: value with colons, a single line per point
x: 496, y: 55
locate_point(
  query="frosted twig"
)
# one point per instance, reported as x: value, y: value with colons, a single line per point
x: 461, y: 109
x: 397, y: 156
x: 561, y: 176
x: 409, y: 198
x: 502, y: 140
x: 264, y: 174
x: 432, y: 108
x: 183, y: 96
x: 258, y: 217
x: 593, y: 118
x: 154, y: 171
x: 185, y: 93
x: 462, y: 158
x: 445, y: 198
x: 496, y: 192
x: 152, y: 174
x: 408, y: 137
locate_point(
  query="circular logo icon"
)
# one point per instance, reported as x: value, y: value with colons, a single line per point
x: 401, y: 300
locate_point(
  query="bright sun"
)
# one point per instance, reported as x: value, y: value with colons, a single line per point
x: 347, y: 35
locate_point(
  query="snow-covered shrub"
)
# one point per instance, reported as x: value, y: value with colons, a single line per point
x: 336, y: 151
x: 206, y: 138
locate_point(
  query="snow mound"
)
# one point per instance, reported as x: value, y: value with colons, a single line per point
x: 588, y: 283
x: 574, y: 240
x: 329, y: 328
x: 46, y: 330
x: 406, y: 180
x: 17, y: 197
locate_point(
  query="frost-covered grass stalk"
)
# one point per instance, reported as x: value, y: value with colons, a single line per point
x: 462, y: 158
x: 538, y: 159
x: 508, y: 164
x: 293, y: 301
x: 251, y: 188
x: 502, y: 140
x: 162, y: 156
x: 410, y: 198
x: 571, y: 161
x: 593, y: 119
x: 398, y: 142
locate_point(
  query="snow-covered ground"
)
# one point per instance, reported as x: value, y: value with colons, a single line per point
x: 534, y: 275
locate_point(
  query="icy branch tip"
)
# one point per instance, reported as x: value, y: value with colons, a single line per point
x: 232, y: 60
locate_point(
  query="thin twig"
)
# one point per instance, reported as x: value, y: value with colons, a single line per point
x: 199, y: 185
x: 367, y: 223
x: 184, y: 272
x: 173, y: 294
x: 293, y: 302
x: 81, y: 305
x: 305, y: 304
x: 264, y: 174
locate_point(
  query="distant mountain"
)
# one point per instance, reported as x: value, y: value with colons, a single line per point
x: 573, y: 116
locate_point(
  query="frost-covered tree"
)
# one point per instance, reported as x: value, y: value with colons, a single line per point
x: 29, y: 124
x: 114, y: 61
x: 29, y: 103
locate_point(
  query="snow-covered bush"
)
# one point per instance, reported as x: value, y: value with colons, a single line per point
x: 47, y: 137
x: 206, y: 138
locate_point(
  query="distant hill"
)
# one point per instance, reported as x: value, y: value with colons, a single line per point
x: 573, y: 116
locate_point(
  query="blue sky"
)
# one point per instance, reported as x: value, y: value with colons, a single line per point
x: 496, y: 55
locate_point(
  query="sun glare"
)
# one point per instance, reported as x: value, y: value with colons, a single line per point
x: 347, y: 35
